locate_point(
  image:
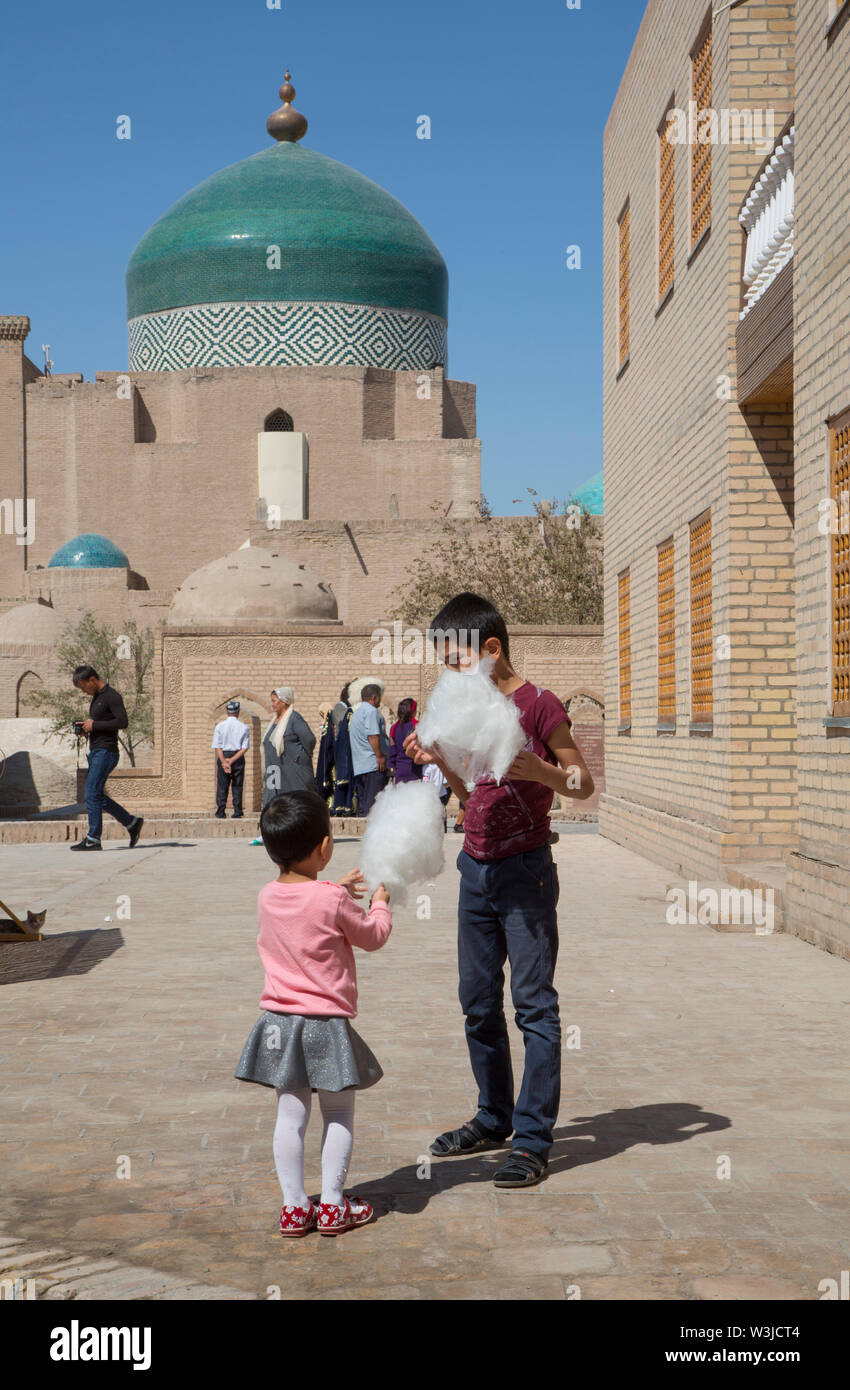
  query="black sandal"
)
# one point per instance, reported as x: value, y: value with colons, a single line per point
x: 470, y: 1138
x: 523, y: 1169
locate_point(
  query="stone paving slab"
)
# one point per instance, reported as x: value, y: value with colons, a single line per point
x: 28, y: 1273
x: 701, y: 1150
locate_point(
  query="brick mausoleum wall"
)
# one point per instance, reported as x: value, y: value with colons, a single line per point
x: 196, y: 673
x: 369, y: 562
x: 676, y: 444
x: 168, y: 471
x: 817, y: 899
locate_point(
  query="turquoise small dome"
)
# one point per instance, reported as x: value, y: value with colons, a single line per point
x: 342, y: 239
x: 590, y: 494
x: 89, y: 551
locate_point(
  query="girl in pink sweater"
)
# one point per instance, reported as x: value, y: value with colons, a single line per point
x: 303, y: 1041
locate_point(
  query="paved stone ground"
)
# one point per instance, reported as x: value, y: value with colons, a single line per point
x: 119, y: 1038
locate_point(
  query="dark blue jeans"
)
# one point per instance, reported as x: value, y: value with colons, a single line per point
x: 102, y: 762
x: 508, y: 910
x: 367, y: 785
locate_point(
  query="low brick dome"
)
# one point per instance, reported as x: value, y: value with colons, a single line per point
x: 252, y: 587
x: 31, y: 624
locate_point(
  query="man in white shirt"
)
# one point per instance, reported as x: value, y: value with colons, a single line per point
x: 231, y: 741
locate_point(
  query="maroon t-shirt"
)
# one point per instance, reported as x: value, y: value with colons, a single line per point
x: 511, y: 817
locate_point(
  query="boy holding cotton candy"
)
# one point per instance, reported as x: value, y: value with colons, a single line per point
x: 508, y: 900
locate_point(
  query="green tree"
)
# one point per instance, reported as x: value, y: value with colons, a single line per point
x: 123, y: 659
x: 539, y: 569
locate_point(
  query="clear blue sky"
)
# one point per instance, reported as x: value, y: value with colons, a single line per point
x: 518, y: 95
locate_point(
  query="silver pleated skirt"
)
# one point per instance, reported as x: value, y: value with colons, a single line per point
x: 294, y: 1051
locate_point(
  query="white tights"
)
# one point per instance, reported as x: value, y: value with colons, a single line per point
x: 293, y: 1113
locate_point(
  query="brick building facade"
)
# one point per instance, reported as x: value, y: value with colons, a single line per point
x: 147, y: 459
x: 725, y: 315
x: 287, y: 327
x: 287, y: 392
x: 197, y: 672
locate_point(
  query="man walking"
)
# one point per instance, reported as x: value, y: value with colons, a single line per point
x: 106, y: 716
x: 367, y: 734
x: 231, y: 741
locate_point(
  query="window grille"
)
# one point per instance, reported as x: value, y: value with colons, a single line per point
x: 702, y: 690
x: 666, y: 635
x: 666, y: 208
x: 840, y: 493
x: 623, y: 313
x: 625, y: 649
x: 701, y: 153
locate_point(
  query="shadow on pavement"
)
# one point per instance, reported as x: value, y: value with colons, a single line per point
x: 156, y: 844
x: 589, y: 1140
x: 68, y: 953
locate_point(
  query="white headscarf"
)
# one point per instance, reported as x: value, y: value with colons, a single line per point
x: 355, y: 689
x: 278, y: 729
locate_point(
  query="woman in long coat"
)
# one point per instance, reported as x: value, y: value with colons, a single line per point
x: 325, y: 755
x: 287, y: 748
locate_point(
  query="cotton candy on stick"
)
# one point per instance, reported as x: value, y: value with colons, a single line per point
x: 475, y: 726
x: 403, y: 841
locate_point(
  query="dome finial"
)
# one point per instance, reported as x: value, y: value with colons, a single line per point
x: 286, y: 123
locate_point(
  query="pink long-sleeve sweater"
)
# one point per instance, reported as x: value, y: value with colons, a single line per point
x: 307, y: 931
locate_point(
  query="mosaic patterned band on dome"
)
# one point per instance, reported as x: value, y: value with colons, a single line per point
x: 293, y: 334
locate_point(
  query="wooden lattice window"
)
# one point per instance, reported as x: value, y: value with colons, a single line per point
x: 701, y: 153
x: 666, y: 205
x: 666, y: 634
x: 702, y: 688
x: 840, y: 493
x: 278, y: 420
x: 623, y: 593
x: 623, y: 299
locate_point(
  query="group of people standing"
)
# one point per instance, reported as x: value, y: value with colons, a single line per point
x: 356, y: 757
x: 288, y: 746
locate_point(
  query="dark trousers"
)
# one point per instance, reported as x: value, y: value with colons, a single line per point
x: 224, y: 781
x: 367, y: 785
x: 102, y: 761
x: 508, y: 910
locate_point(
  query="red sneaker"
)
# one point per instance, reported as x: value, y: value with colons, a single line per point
x: 295, y: 1221
x: 333, y: 1220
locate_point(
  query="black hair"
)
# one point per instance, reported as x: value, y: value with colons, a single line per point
x: 405, y: 711
x: 343, y: 694
x: 84, y: 673
x: 292, y: 824
x: 369, y: 692
x: 469, y: 618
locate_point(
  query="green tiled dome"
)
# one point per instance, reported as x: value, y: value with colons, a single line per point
x: 342, y: 240
x: 590, y: 493
x: 89, y: 551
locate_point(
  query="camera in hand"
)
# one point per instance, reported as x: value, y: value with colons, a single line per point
x: 78, y: 728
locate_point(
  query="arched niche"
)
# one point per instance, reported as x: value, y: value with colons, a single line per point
x: 28, y: 683
x: 278, y: 421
